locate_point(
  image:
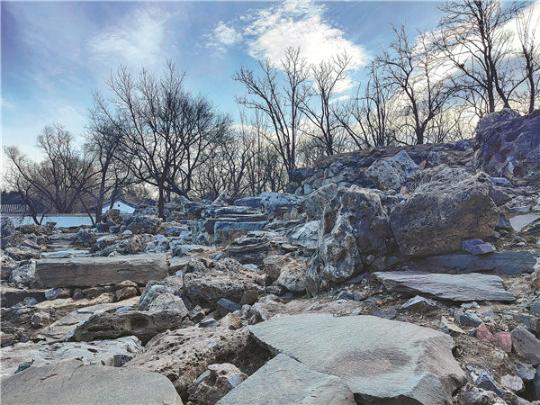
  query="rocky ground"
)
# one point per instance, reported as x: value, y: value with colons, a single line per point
x: 396, y: 276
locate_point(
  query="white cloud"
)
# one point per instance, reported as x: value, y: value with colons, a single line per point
x: 269, y: 32
x: 137, y: 40
x: 224, y: 36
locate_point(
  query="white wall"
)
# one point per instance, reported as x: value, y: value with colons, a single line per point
x: 124, y: 208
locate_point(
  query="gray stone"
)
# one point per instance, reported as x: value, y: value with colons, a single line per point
x: 71, y: 382
x: 114, y: 324
x: 510, y: 262
x: 442, y: 213
x: 305, y: 235
x: 297, y: 385
x: 94, y: 271
x: 526, y: 345
x: 477, y: 247
x: 215, y: 383
x: 354, y: 232
x: 315, y: 202
x: 452, y: 287
x: 391, y: 173
x: 106, y: 352
x: 138, y: 224
x: 508, y: 145
x: 24, y: 275
x: 420, y: 304
x: 377, y: 358
x: 512, y: 382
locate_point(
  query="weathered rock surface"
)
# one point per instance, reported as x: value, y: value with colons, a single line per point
x: 93, y: 271
x: 508, y: 145
x: 114, y: 324
x: 379, y: 359
x: 452, y: 287
x: 526, y: 345
x: 441, y: 214
x: 105, y: 352
x: 511, y: 262
x: 71, y: 382
x: 215, y: 383
x: 63, y: 329
x: 391, y: 173
x: 183, y: 354
x: 297, y: 385
x: 354, y: 231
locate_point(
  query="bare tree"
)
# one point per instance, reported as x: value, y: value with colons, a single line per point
x: 280, y: 102
x: 472, y: 37
x: 166, y: 131
x: 367, y: 118
x: 103, y: 145
x: 530, y: 55
x: 59, y: 182
x: 325, y: 128
x: 410, y: 69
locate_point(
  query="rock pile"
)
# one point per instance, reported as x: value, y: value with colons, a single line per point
x: 391, y: 276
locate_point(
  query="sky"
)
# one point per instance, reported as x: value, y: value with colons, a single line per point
x: 56, y: 55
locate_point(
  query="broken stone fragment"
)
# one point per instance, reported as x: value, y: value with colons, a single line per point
x: 284, y: 380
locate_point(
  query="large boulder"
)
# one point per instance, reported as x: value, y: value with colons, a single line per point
x: 94, y: 271
x: 144, y: 224
x: 509, y: 145
x: 71, y: 382
x: 354, y: 232
x: 315, y: 202
x: 381, y: 361
x: 297, y: 385
x: 442, y: 213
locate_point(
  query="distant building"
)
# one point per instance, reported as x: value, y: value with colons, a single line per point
x: 122, y: 204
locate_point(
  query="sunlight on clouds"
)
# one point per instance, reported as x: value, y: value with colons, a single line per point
x: 294, y: 23
x: 137, y: 40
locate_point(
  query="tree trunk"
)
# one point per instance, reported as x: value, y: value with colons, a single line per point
x: 161, y: 202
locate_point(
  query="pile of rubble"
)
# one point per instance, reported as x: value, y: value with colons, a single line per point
x: 397, y: 275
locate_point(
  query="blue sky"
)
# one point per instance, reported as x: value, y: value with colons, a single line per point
x: 55, y: 55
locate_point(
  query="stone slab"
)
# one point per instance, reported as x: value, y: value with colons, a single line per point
x: 451, y: 287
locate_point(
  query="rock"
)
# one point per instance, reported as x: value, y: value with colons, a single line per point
x: 452, y: 287
x: 358, y: 348
x: 6, y: 227
x: 525, y: 371
x: 73, y: 382
x: 510, y: 262
x: 477, y: 247
x: 468, y: 319
x: 420, y: 304
x: 183, y: 354
x: 225, y: 231
x: 512, y: 382
x: 106, y: 352
x: 24, y: 275
x: 225, y: 306
x: 12, y: 296
x: 484, y: 334
x: 63, y: 328
x: 486, y: 381
x: 391, y: 173
x: 215, y: 383
x: 354, y: 231
x: 55, y: 293
x: 297, y: 384
x: 526, y: 345
x: 84, y: 238
x: 476, y: 396
x: 93, y: 271
x: 305, y: 235
x: 162, y: 290
x: 114, y: 324
x: 504, y: 341
x: 441, y: 214
x: 143, y: 224
x: 315, y: 202
x: 508, y: 145
x: 125, y: 293
x: 228, y: 280
x: 293, y: 275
